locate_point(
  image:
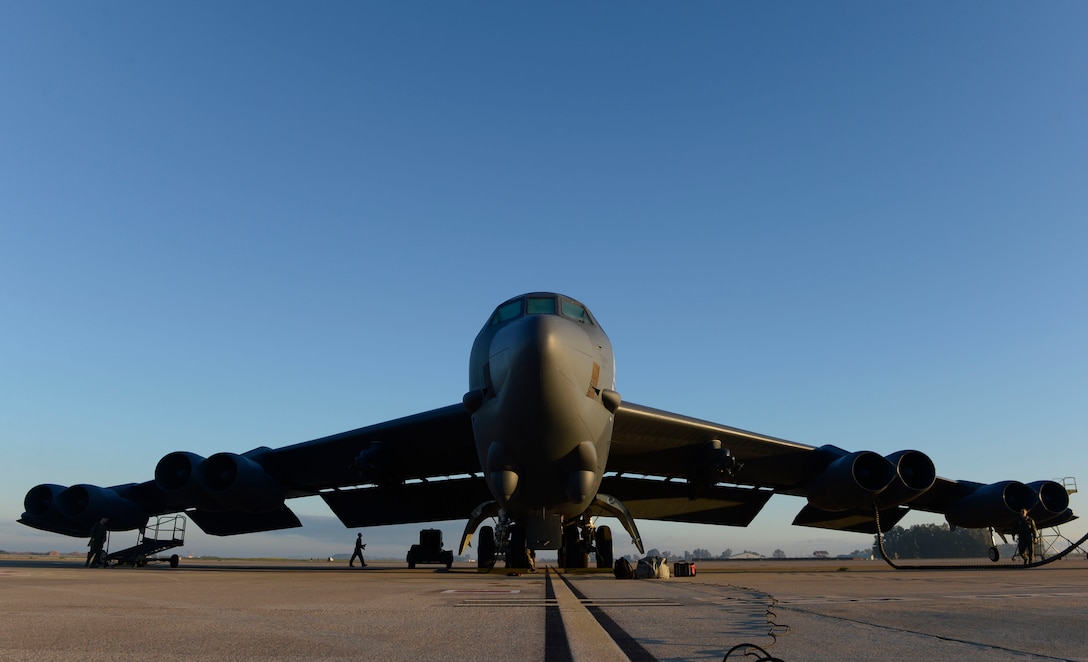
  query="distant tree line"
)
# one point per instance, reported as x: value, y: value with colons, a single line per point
x: 697, y: 553
x: 933, y: 541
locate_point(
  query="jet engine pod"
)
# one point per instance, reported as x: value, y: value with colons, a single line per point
x: 175, y: 474
x: 41, y: 500
x: 42, y: 512
x: 851, y: 481
x: 238, y: 483
x: 996, y: 504
x: 1053, y: 501
x: 914, y: 475
x: 87, y: 504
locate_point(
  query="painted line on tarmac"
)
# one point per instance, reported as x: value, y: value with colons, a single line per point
x: 628, y: 645
x: 587, y: 638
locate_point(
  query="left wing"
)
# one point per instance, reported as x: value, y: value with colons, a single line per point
x: 672, y: 467
x: 228, y: 493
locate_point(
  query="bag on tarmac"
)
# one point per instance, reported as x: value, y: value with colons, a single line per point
x: 652, y: 567
x: 623, y: 570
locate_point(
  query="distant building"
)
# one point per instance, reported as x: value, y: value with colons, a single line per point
x: 745, y: 555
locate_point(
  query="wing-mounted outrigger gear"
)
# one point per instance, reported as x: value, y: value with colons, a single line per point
x: 615, y: 508
x: 484, y: 511
x: 994, y: 552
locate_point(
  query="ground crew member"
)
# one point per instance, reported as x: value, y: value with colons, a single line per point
x: 98, y: 538
x: 359, y: 547
x: 1026, y: 536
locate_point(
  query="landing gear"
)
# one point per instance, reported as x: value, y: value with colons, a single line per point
x: 573, y: 554
x: 994, y: 552
x: 486, y: 560
x: 582, y: 538
x: 507, y: 542
x: 603, y: 539
x: 518, y: 556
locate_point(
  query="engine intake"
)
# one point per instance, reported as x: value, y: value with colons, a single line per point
x: 1053, y: 501
x: 41, y: 500
x: 996, y: 504
x: 238, y: 483
x: 914, y: 475
x: 851, y: 481
x: 175, y: 475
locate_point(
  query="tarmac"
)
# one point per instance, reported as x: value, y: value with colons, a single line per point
x: 319, y: 610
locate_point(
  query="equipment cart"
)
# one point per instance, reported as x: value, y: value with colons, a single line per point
x: 429, y: 550
x: 158, y: 535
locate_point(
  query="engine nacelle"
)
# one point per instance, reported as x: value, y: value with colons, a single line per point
x: 42, y: 512
x: 238, y: 483
x: 996, y: 504
x: 86, y: 504
x: 41, y: 500
x: 851, y: 481
x: 914, y: 475
x: 1053, y: 501
x: 175, y: 475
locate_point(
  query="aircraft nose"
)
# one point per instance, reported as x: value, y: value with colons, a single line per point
x: 536, y: 346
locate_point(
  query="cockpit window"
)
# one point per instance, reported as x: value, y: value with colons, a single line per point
x: 540, y: 306
x: 507, y: 311
x: 575, y: 311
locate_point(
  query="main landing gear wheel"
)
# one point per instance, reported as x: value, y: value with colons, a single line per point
x: 603, y: 537
x: 518, y: 556
x: 486, y: 560
x: 573, y: 553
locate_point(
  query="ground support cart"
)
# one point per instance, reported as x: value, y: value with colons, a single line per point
x: 429, y: 550
x: 158, y: 535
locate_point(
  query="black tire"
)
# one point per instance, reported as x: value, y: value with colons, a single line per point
x: 995, y: 554
x: 572, y: 554
x: 486, y: 549
x: 174, y: 560
x: 604, y: 547
x: 518, y: 556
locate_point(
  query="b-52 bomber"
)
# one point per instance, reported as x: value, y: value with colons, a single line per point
x: 540, y: 446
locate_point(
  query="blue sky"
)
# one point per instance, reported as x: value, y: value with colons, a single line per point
x: 226, y: 225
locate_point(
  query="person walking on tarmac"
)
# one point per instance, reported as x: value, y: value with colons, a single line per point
x: 359, y: 547
x: 1026, y: 536
x: 98, y: 538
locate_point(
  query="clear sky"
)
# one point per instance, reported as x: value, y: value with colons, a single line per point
x: 226, y: 225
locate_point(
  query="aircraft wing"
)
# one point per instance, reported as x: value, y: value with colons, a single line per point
x: 426, y: 463
x: 678, y: 468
